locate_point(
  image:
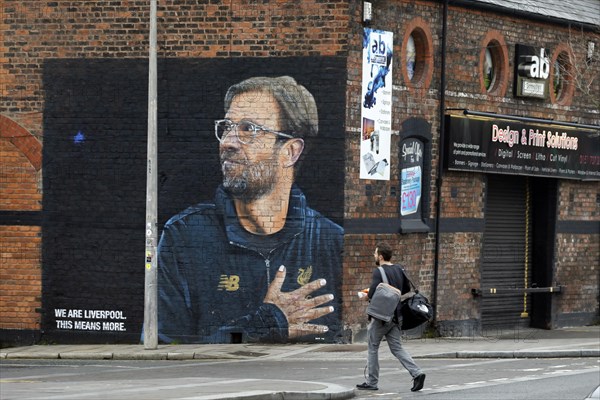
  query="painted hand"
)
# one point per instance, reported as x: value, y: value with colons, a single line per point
x: 298, y: 307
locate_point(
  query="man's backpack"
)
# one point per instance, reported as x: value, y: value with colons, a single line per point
x: 384, y: 301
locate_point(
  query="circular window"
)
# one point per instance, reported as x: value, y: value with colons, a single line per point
x: 489, y: 73
x: 559, y: 77
x: 561, y: 85
x: 417, y: 55
x: 411, y: 57
x: 493, y: 61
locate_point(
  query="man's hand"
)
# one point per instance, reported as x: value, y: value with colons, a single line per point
x: 297, y: 307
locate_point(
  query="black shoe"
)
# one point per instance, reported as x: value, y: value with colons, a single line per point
x: 366, y: 386
x: 418, y: 383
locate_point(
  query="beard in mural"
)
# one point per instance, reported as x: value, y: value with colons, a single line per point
x: 258, y: 264
x: 245, y: 179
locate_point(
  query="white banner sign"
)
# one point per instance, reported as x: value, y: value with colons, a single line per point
x: 376, y: 104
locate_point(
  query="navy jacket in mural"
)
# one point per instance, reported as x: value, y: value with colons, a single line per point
x: 213, y: 274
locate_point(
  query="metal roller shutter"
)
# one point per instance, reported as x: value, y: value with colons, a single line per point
x: 506, y: 250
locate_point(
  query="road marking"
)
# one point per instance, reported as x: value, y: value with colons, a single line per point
x: 86, y: 391
x: 504, y: 381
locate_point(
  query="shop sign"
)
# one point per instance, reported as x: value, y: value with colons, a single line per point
x: 532, y: 70
x: 506, y: 146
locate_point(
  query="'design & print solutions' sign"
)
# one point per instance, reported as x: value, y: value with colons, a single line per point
x: 522, y: 148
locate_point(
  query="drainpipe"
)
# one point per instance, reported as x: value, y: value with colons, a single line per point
x: 441, y: 147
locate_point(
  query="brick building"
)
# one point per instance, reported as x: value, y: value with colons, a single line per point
x: 500, y: 227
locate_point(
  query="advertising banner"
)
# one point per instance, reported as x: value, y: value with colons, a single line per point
x: 515, y: 147
x: 376, y: 109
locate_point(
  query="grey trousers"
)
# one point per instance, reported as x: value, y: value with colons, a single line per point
x: 376, y: 331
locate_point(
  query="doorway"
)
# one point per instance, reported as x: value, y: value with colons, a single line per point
x: 518, y: 252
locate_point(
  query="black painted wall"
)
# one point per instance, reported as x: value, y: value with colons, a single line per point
x: 94, y: 177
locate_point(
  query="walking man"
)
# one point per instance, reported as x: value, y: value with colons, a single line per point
x: 378, y: 329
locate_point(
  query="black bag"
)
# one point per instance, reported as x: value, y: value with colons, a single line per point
x: 385, y: 300
x: 416, y: 310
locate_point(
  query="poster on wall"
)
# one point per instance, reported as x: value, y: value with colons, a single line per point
x: 376, y: 104
x: 227, y: 273
x: 411, y: 157
x: 411, y: 190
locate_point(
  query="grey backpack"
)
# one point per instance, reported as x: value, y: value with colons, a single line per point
x: 384, y: 301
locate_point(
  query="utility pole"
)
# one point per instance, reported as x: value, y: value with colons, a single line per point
x: 150, y: 286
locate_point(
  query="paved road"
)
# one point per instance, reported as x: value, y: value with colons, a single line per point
x: 528, y: 364
x: 516, y: 379
x: 490, y: 379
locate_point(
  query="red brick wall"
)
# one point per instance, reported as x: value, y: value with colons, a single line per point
x: 379, y: 199
x: 33, y: 32
x: 463, y: 194
x: 579, y: 201
x: 414, y: 253
x: 460, y: 257
x: 20, y: 277
x: 576, y: 256
x: 577, y: 268
x: 36, y: 31
x: 20, y: 246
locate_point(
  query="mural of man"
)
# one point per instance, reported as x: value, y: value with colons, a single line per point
x: 258, y: 264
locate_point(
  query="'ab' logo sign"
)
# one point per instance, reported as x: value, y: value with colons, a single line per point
x: 378, y: 46
x: 378, y: 51
x: 533, y: 66
x: 532, y: 70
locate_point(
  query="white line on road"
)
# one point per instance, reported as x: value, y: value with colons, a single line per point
x: 503, y: 381
x: 102, y: 392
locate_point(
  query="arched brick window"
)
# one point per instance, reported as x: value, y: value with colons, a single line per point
x: 561, y: 75
x: 417, y: 55
x: 493, y: 64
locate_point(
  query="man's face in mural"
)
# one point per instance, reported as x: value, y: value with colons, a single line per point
x: 251, y: 170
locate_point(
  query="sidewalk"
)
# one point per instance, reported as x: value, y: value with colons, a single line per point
x: 530, y: 343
